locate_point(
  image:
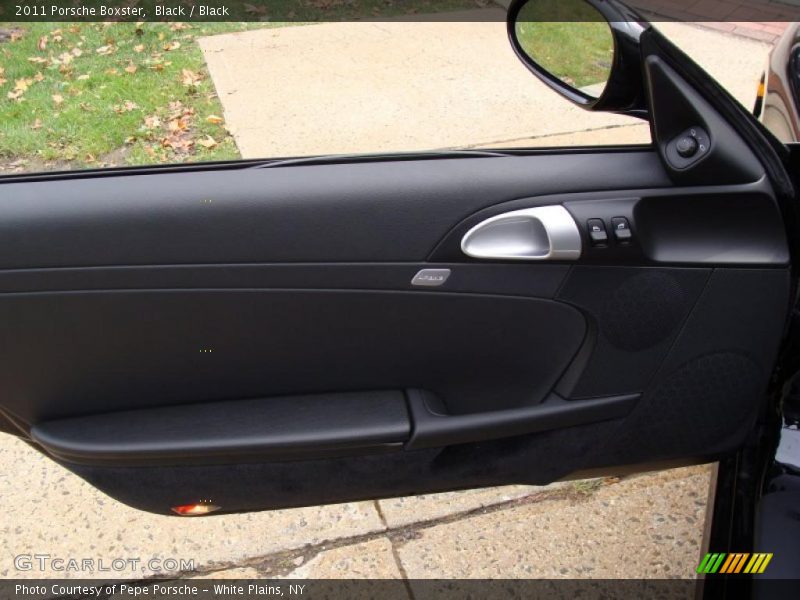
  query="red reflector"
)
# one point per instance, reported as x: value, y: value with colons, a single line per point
x: 191, y: 510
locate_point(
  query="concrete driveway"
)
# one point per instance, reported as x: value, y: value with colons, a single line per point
x: 353, y: 87
x: 644, y: 526
x: 384, y: 86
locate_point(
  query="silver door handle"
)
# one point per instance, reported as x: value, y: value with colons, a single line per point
x: 540, y: 233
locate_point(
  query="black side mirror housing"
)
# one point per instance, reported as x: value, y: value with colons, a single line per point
x: 624, y: 90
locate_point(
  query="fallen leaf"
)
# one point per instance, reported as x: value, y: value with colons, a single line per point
x: 215, y: 120
x: 65, y: 58
x: 105, y: 50
x: 38, y: 76
x: 90, y: 158
x: 22, y: 84
x: 58, y: 99
x: 178, y: 124
x: 127, y: 106
x: 83, y: 77
x: 131, y: 68
x: 37, y: 124
x: 42, y: 43
x: 76, y: 52
x: 173, y: 45
x: 208, y: 143
x: 138, y: 48
x: 152, y: 122
x: 15, y: 95
x: 39, y: 60
x: 190, y: 78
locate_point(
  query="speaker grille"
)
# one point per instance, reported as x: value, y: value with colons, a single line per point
x: 695, y: 407
x: 643, y: 311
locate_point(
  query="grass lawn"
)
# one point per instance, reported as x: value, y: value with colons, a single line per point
x: 76, y: 95
x: 101, y: 94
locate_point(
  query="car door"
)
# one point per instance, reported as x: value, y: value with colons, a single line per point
x: 261, y: 334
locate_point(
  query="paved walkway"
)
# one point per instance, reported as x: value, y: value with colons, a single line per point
x: 386, y: 86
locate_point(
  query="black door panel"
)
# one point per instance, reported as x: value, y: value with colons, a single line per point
x: 83, y: 353
x: 253, y: 338
x: 361, y: 212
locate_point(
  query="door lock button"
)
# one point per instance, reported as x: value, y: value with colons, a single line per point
x: 597, y: 231
x: 621, y: 228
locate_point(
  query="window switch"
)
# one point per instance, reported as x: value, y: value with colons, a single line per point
x: 622, y: 229
x: 597, y: 231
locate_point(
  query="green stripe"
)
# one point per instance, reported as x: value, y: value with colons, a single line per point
x: 711, y: 560
x: 703, y: 563
x: 718, y: 563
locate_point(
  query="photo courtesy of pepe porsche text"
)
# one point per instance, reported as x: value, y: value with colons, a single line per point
x: 156, y: 589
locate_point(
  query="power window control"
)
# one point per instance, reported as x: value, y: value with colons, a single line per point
x: 597, y: 231
x: 621, y: 228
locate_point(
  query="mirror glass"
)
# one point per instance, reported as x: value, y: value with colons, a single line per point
x: 569, y: 39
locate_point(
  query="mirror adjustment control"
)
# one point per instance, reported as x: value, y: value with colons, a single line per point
x: 687, y: 146
x: 621, y: 228
x: 597, y: 232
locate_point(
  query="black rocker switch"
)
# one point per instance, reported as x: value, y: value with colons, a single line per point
x: 597, y: 231
x: 621, y: 228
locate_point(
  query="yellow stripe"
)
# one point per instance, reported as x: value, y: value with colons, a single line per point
x: 754, y: 560
x: 760, y: 92
x: 741, y: 562
x: 724, y: 568
x: 765, y: 563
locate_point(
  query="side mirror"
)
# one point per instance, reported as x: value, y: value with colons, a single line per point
x: 586, y: 50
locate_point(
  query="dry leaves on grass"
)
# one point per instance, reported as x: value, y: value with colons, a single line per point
x: 208, y: 142
x: 131, y: 68
x: 20, y: 87
x: 152, y: 122
x: 3, y: 80
x: 105, y: 50
x: 58, y: 99
x: 190, y: 78
x: 126, y: 106
x: 215, y: 120
x: 175, y: 133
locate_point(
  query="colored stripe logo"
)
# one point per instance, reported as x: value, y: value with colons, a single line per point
x: 737, y: 562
